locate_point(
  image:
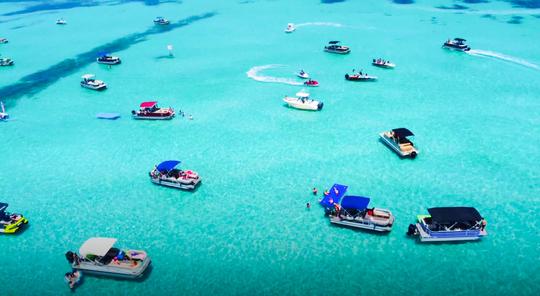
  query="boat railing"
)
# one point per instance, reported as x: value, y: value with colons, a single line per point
x: 461, y: 233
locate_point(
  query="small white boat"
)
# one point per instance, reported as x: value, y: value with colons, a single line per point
x: 99, y: 256
x: 61, y: 21
x: 302, y: 74
x: 397, y: 140
x: 3, y: 40
x: 457, y: 44
x: 383, y: 64
x: 151, y: 111
x: 161, y: 21
x: 3, y: 114
x: 303, y: 102
x: 4, y: 62
x: 166, y: 174
x: 290, y: 28
x: 336, y: 47
x: 88, y: 81
x: 107, y: 59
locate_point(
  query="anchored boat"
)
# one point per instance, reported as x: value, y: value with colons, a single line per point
x: 61, y: 21
x: 353, y: 211
x: 161, y: 21
x: 6, y: 62
x: 10, y: 222
x: 446, y: 224
x: 336, y: 47
x: 303, y: 102
x: 383, y: 64
x: 166, y: 174
x: 88, y: 81
x: 151, y: 111
x: 107, y: 59
x: 456, y: 44
x: 398, y: 141
x: 3, y: 40
x: 98, y: 255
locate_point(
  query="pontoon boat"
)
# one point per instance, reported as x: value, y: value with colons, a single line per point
x: 161, y: 21
x: 151, y: 111
x: 61, y: 21
x: 311, y: 83
x: 360, y: 77
x: 290, y: 28
x: 108, y: 59
x: 88, y: 81
x: 335, y: 47
x: 303, y: 102
x: 6, y: 62
x: 353, y: 211
x: 10, y: 222
x: 3, y: 40
x: 98, y: 256
x: 456, y: 44
x: 3, y: 114
x: 397, y: 140
x: 166, y: 174
x: 449, y: 224
x: 302, y: 74
x: 383, y: 64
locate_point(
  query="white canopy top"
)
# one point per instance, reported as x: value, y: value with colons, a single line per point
x: 98, y: 246
x: 88, y: 76
x: 302, y: 94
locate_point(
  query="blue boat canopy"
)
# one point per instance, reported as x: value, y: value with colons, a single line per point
x: 167, y: 165
x: 334, y: 195
x: 3, y: 207
x: 355, y: 202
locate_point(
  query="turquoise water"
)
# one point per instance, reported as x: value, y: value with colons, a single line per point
x: 246, y: 229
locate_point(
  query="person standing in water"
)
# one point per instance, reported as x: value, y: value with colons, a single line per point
x: 308, y: 205
x: 315, y: 191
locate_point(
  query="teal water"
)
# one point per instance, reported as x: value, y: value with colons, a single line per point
x: 246, y: 229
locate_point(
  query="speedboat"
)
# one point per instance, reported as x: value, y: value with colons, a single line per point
x: 61, y: 21
x: 10, y: 222
x: 98, y: 255
x: 290, y: 28
x: 383, y: 64
x: 161, y: 21
x: 353, y: 211
x: 151, y: 111
x: 311, y: 83
x: 456, y: 44
x: 397, y: 140
x: 6, y: 62
x: 303, y: 102
x: 302, y: 74
x: 166, y: 174
x: 3, y: 115
x: 335, y: 47
x: 448, y: 224
x: 3, y: 40
x: 360, y: 77
x: 88, y: 81
x: 108, y: 59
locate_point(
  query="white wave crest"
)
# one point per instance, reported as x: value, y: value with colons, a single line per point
x: 253, y: 73
x: 326, y: 24
x: 500, y: 56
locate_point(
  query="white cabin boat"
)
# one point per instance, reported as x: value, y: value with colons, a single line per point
x: 161, y: 21
x: 151, y: 111
x: 107, y: 59
x: 336, y: 47
x: 6, y: 62
x: 3, y: 40
x: 457, y: 44
x: 303, y: 102
x: 166, y: 174
x: 383, y: 64
x: 61, y: 21
x: 88, y: 81
x: 398, y: 141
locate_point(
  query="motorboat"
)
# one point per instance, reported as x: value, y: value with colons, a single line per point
x: 98, y: 256
x: 303, y: 102
x: 352, y: 211
x: 3, y: 114
x: 3, y: 40
x: 383, y: 64
x: 161, y: 21
x: 88, y: 81
x: 311, y: 83
x: 290, y: 28
x: 151, y: 111
x: 6, y: 62
x: 456, y: 44
x: 336, y: 47
x: 10, y: 222
x: 398, y: 141
x: 61, y: 21
x: 302, y: 74
x: 446, y: 224
x: 108, y: 60
x: 167, y: 174
x: 362, y: 77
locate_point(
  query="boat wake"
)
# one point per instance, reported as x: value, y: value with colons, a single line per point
x: 500, y: 56
x: 326, y: 24
x: 253, y: 73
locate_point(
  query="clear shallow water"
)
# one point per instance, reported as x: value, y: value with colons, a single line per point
x: 246, y: 229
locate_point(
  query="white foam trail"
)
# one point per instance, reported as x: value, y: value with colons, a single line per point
x: 327, y: 24
x: 253, y: 73
x: 500, y: 56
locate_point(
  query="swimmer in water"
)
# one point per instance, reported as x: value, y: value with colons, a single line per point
x: 308, y: 205
x: 315, y: 191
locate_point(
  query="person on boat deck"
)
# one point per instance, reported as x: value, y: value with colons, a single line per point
x: 336, y: 191
x: 483, y: 224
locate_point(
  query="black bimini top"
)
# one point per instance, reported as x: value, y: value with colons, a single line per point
x: 460, y: 39
x: 402, y: 132
x: 333, y: 42
x: 450, y: 215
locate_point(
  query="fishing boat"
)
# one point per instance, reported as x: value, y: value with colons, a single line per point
x: 456, y: 44
x: 98, y: 256
x: 336, y: 47
x: 447, y: 224
x: 398, y: 141
x: 6, y: 62
x: 3, y: 114
x: 61, y: 21
x: 311, y: 83
x: 161, y: 21
x: 10, y: 222
x: 361, y: 77
x: 151, y: 111
x: 167, y: 174
x: 290, y: 28
x: 303, y: 102
x: 108, y: 59
x: 302, y: 74
x: 383, y: 64
x: 3, y: 40
x: 352, y: 211
x: 88, y: 81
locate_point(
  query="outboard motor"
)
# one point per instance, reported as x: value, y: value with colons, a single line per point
x: 70, y: 256
x: 412, y: 230
x: 133, y: 112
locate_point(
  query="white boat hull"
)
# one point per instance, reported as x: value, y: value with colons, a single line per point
x: 396, y: 149
x: 113, y: 271
x: 358, y: 224
x: 425, y: 237
x: 310, y: 105
x: 188, y: 185
x: 94, y: 87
